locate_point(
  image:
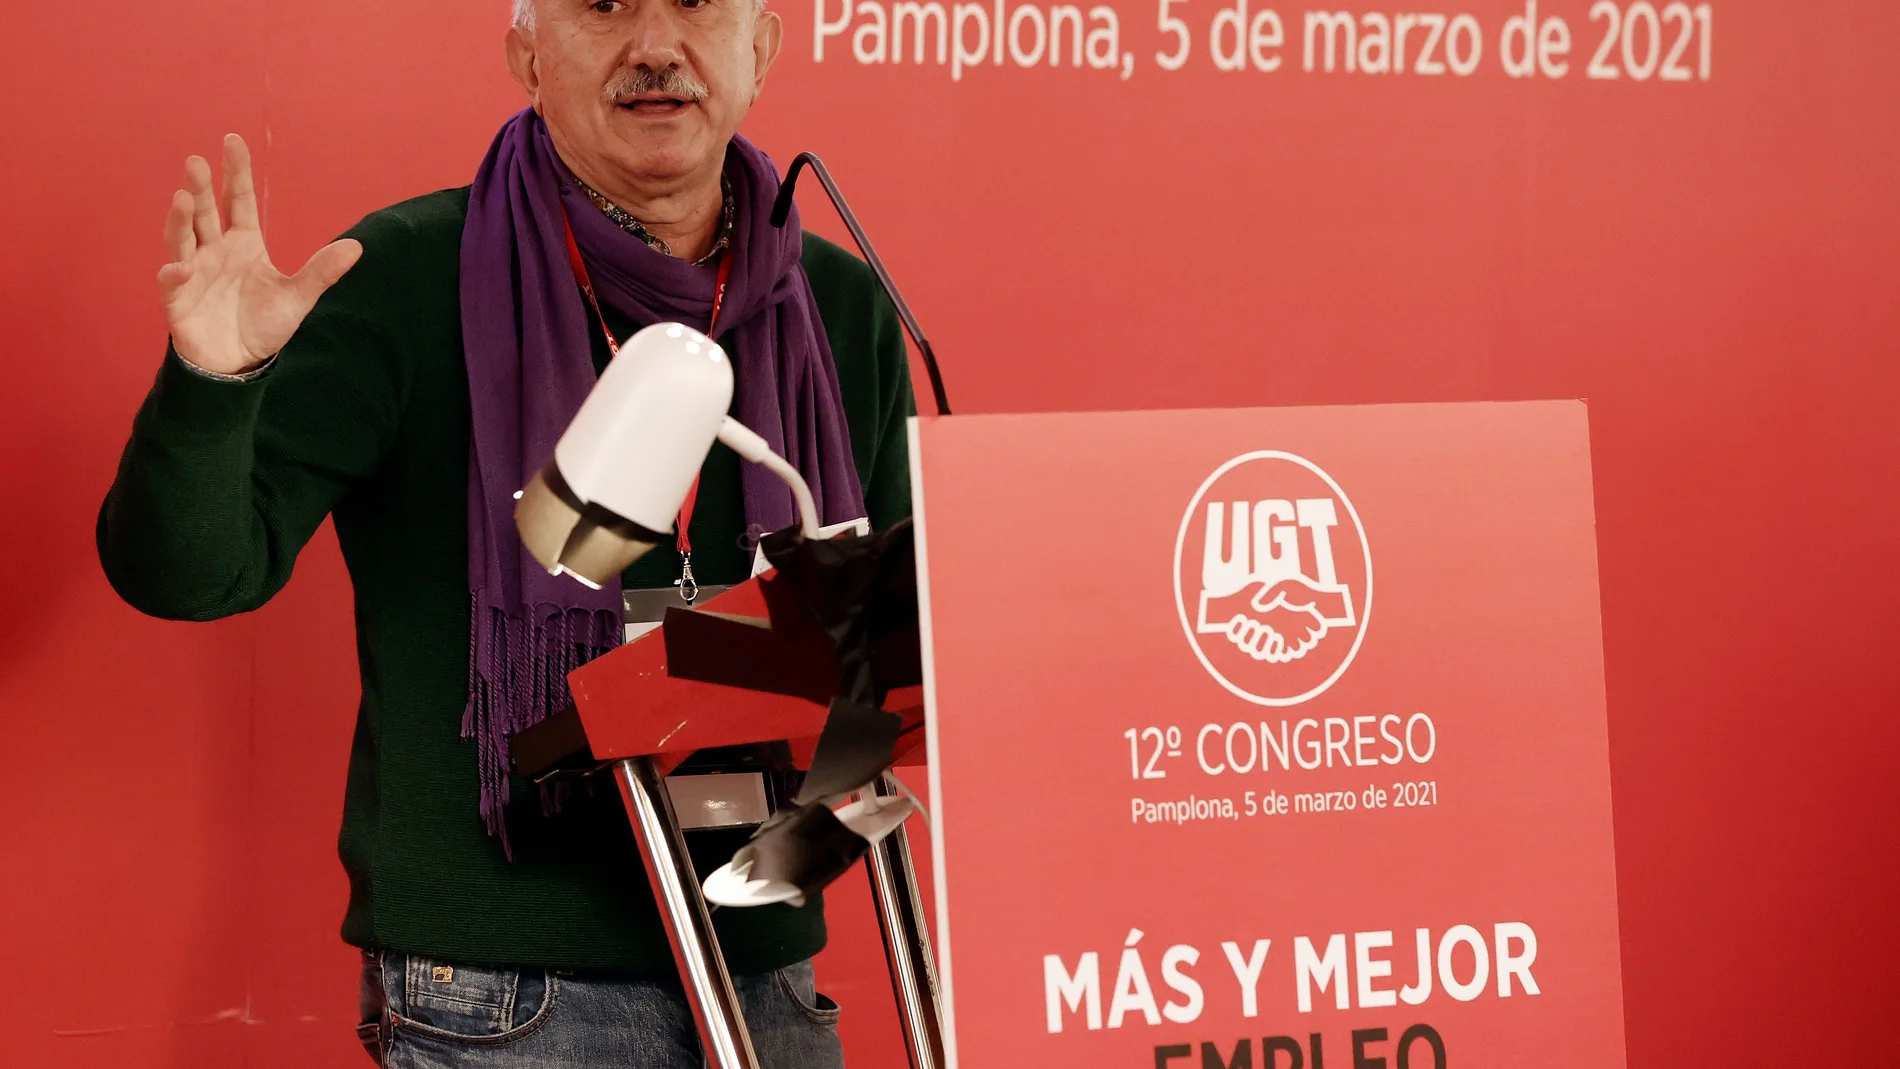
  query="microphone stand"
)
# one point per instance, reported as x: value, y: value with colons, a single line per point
x: 782, y: 209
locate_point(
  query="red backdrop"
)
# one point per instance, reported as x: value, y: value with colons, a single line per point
x: 1712, y: 263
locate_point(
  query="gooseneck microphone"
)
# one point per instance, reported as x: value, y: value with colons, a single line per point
x: 783, y: 208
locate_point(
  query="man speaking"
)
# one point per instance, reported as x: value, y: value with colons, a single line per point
x: 407, y: 380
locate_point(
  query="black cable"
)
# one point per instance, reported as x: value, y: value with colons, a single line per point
x: 782, y: 209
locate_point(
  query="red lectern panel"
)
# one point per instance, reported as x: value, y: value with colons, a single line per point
x: 1330, y: 682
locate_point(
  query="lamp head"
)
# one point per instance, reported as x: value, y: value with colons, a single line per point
x: 624, y: 465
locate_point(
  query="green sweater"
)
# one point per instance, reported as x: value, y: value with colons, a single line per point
x: 365, y: 416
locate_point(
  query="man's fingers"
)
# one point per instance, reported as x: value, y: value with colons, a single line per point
x: 172, y: 276
x: 204, y: 218
x: 240, y: 192
x: 328, y: 264
x: 175, y: 291
x: 178, y: 237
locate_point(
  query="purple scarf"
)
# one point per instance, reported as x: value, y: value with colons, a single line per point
x: 527, y: 331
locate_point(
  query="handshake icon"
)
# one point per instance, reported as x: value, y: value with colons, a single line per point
x: 1276, y: 621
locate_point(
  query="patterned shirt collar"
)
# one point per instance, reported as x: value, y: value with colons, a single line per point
x: 620, y: 217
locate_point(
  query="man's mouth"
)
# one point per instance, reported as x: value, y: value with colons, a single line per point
x: 654, y: 105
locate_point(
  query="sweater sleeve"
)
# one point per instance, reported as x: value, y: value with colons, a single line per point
x: 887, y: 476
x: 223, y: 482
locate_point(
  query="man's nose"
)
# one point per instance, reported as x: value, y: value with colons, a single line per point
x: 654, y: 39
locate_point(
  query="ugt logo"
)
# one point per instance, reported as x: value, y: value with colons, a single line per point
x: 1273, y: 578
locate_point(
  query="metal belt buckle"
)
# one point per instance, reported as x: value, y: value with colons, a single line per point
x: 719, y: 800
x: 644, y: 610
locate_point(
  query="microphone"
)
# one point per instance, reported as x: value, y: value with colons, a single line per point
x: 782, y: 209
x: 627, y: 460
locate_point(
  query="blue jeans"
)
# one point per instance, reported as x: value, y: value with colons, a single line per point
x: 425, y: 1014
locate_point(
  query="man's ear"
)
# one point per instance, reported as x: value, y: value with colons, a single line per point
x: 768, y: 36
x: 519, y: 49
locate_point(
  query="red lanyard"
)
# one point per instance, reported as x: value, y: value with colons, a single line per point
x: 689, y: 589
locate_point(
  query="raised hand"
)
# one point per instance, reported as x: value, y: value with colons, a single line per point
x: 228, y: 306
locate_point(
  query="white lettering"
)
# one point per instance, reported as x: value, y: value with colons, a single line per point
x: 1463, y: 934
x: 1276, y: 543
x: 1104, y: 43
x: 1519, y: 62
x: 1275, y: 746
x: 871, y: 30
x: 1132, y: 991
x: 1268, y: 32
x: 1301, y: 754
x: 918, y: 13
x: 1398, y: 751
x: 1416, y: 994
x: 965, y: 53
x: 1027, y: 15
x: 1314, y: 970
x: 1370, y: 968
x: 1171, y: 973
x: 1061, y: 989
x: 1371, y: 61
x: 1465, y: 61
x: 1200, y: 749
x: 1253, y: 749
x: 1518, y: 965
x: 1337, y: 23
x: 1434, y: 30
x: 1360, y: 740
x: 1431, y: 738
x: 1247, y: 972
x: 1072, y: 15
x: 1234, y: 19
x: 1338, y: 744
x: 823, y: 29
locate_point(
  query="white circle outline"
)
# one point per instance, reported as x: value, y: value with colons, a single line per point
x: 1180, y: 603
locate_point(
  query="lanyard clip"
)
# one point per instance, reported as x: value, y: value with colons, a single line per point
x: 689, y: 588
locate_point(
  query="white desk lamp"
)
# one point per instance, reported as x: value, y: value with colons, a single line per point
x: 624, y: 465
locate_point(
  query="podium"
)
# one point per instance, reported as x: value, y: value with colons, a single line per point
x: 1275, y: 810
x: 1282, y: 814
x: 743, y: 681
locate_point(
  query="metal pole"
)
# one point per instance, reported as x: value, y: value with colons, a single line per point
x: 900, y: 916
x: 716, y: 1008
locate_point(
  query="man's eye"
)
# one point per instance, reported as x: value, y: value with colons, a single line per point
x: 692, y: 4
x: 607, y: 7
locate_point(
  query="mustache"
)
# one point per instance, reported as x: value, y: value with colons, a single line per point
x: 662, y: 80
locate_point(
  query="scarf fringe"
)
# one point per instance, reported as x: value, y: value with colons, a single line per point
x: 518, y: 678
